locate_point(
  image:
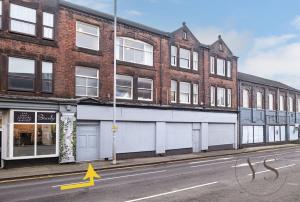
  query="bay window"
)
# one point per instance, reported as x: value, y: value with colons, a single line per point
x: 228, y: 69
x: 185, y: 58
x: 134, y: 51
x: 21, y: 74
x: 245, y: 98
x: 228, y: 97
x: 259, y: 100
x: 212, y: 65
x: 124, y: 88
x: 173, y: 91
x: 34, y: 134
x: 281, y: 103
x: 212, y: 96
x: 47, y: 78
x: 271, y: 102
x: 185, y: 92
x: 48, y: 25
x: 22, y: 19
x: 195, y: 61
x: 145, y: 89
x: 195, y: 94
x: 87, y: 36
x: 291, y: 104
x: 173, y: 55
x: 87, y: 81
x: 221, y: 97
x: 221, y: 67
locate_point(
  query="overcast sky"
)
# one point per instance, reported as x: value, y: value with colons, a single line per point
x: 263, y: 33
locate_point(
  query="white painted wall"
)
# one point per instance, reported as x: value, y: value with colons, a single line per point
x: 179, y: 135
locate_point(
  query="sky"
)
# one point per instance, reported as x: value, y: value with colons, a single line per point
x: 264, y: 34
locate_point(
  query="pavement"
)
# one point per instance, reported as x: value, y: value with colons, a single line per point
x: 52, y: 170
x: 275, y: 176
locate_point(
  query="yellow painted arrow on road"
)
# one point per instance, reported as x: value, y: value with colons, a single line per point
x: 90, y: 174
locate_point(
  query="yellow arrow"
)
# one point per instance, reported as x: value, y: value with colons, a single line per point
x: 90, y: 174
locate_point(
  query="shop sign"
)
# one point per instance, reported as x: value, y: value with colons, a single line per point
x: 24, y: 117
x: 46, y: 117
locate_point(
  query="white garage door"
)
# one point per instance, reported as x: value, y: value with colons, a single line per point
x: 220, y: 134
x: 87, y: 142
x: 179, y: 136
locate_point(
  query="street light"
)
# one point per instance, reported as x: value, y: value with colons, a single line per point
x: 114, y: 126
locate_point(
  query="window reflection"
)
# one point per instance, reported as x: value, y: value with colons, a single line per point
x: 46, y: 139
x: 23, y: 139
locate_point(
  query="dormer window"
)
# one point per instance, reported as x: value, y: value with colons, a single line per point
x: 184, y: 35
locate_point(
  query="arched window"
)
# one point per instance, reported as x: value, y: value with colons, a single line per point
x: 135, y: 51
x: 259, y: 100
x: 245, y: 98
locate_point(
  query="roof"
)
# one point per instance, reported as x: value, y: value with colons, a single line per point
x: 111, y: 18
x: 263, y: 81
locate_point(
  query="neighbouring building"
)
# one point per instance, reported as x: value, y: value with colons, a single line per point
x: 269, y: 111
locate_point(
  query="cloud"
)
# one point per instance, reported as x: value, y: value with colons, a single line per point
x: 237, y: 41
x: 296, y: 22
x: 133, y: 13
x: 99, y: 5
x: 262, y: 43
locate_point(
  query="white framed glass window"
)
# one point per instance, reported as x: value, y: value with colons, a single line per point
x: 48, y: 25
x: 34, y: 134
x: 135, y: 51
x: 298, y: 104
x: 229, y: 97
x: 185, y: 58
x: 195, y: 61
x: 291, y: 104
x: 221, y: 67
x: 271, y: 102
x: 212, y: 65
x: 228, y: 69
x: 221, y: 97
x: 0, y: 14
x: 185, y: 92
x: 184, y: 35
x: 47, y: 77
x: 173, y: 55
x: 87, y: 81
x: 22, y: 19
x: 145, y: 89
x: 212, y: 96
x: 195, y: 94
x: 173, y: 91
x: 281, y: 103
x: 259, y: 100
x: 87, y: 36
x: 124, y: 87
x: 21, y: 74
x: 245, y: 98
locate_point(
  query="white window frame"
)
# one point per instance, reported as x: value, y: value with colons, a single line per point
x: 129, y: 78
x: 86, y: 85
x: 212, y: 65
x: 221, y: 97
x: 259, y: 103
x: 195, y: 94
x: 195, y: 60
x: 51, y: 27
x: 229, y: 97
x: 298, y: 104
x: 185, y: 93
x: 1, y: 14
x: 281, y: 103
x: 181, y: 50
x: 291, y: 104
x: 147, y: 80
x: 90, y: 34
x: 123, y: 46
x: 52, y: 79
x: 23, y: 21
x: 173, y: 82
x: 212, y: 96
x: 271, y: 102
x: 246, y: 96
x: 229, y: 69
x: 173, y: 56
x: 221, y: 70
x: 11, y: 136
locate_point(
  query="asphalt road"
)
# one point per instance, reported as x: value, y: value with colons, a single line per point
x: 230, y: 178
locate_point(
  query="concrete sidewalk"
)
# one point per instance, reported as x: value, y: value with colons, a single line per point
x: 46, y: 171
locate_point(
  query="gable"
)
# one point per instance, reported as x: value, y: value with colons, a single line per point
x: 220, y: 47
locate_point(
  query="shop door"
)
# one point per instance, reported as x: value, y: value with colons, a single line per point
x: 87, y: 142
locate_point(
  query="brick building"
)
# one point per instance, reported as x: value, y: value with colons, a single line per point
x: 56, y: 88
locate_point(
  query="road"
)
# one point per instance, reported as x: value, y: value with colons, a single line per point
x: 227, y: 178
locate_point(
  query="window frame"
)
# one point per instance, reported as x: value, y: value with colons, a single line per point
x: 246, y: 99
x: 291, y: 104
x: 269, y: 102
x: 219, y: 97
x: 212, y: 65
x: 185, y: 59
x: 298, y: 104
x: 223, y: 67
x: 131, y: 86
x: 175, y: 91
x: 281, y: 103
x: 228, y: 68
x: 21, y: 20
x: 195, y: 93
x: 185, y: 93
x: 1, y: 14
x: 229, y: 97
x: 86, y: 33
x: 46, y: 26
x: 213, y: 96
x: 145, y: 79
x: 174, y: 57
x: 52, y: 80
x: 259, y: 104
x: 195, y: 61
x: 86, y: 81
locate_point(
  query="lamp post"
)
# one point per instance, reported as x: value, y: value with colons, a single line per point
x: 114, y: 126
